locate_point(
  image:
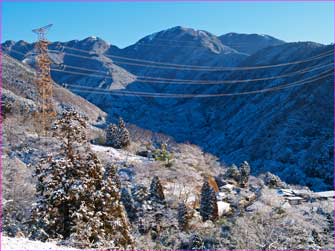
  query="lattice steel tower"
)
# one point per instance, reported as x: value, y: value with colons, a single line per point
x: 44, y: 81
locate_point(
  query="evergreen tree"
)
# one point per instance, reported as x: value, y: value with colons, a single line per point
x: 208, y: 203
x: 156, y: 191
x: 117, y: 136
x: 233, y: 173
x: 244, y: 173
x: 74, y: 201
x: 183, y: 216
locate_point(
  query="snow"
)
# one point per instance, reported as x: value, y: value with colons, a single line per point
x: 119, y: 155
x: 152, y: 36
x: 11, y: 243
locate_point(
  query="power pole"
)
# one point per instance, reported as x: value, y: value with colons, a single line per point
x: 44, y: 81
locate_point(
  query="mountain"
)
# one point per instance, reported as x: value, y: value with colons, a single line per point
x: 178, y: 45
x: 249, y: 43
x: 20, y: 92
x: 279, y: 130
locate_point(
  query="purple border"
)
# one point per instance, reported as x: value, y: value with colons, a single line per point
x: 0, y: 125
x: 167, y: 0
x: 1, y: 1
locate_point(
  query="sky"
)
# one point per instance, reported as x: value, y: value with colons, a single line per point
x: 124, y: 23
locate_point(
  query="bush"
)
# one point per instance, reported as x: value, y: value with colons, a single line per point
x: 239, y: 174
x: 117, y: 136
x: 183, y: 216
x: 164, y: 155
x: 156, y: 191
x: 6, y: 108
x: 208, y: 203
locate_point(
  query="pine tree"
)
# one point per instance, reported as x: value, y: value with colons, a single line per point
x: 117, y: 136
x: 74, y: 201
x: 156, y: 191
x: 233, y: 173
x: 208, y: 203
x: 244, y: 173
x: 183, y: 216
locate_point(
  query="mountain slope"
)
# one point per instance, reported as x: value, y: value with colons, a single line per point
x: 249, y: 43
x: 19, y: 81
x: 278, y: 131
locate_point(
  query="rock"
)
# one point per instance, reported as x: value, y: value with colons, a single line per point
x: 220, y: 196
x: 286, y: 205
x: 228, y: 187
x: 143, y: 153
x: 223, y: 208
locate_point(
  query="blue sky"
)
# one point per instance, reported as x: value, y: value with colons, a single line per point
x: 123, y: 23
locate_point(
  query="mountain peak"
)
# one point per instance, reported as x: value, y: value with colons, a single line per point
x: 249, y: 43
x: 182, y: 37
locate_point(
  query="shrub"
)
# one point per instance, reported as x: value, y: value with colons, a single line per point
x: 239, y: 174
x: 183, y: 216
x: 208, y: 203
x: 233, y: 173
x: 117, y: 136
x: 164, y: 155
x: 244, y: 169
x: 156, y: 191
x: 6, y: 108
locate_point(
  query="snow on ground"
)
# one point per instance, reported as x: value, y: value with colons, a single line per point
x: 120, y: 156
x: 10, y: 243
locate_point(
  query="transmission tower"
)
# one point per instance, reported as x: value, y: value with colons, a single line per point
x: 43, y: 79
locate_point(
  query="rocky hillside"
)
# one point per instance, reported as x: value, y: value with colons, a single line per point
x: 278, y: 131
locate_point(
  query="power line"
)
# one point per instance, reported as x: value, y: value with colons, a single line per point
x: 195, y: 67
x: 245, y: 44
x: 21, y: 53
x: 93, y: 90
x: 187, y: 82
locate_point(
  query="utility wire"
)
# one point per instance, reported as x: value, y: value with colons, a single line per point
x: 93, y: 90
x: 186, y: 82
x: 193, y: 67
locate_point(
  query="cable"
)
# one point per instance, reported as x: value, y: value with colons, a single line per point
x: 18, y: 52
x: 15, y: 51
x: 194, y: 67
x: 245, y: 44
x: 172, y: 95
x: 190, y: 82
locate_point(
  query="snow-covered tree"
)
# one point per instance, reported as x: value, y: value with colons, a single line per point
x: 208, y: 203
x: 244, y: 173
x: 74, y: 199
x: 156, y: 191
x: 117, y: 136
x: 233, y: 173
x: 183, y: 216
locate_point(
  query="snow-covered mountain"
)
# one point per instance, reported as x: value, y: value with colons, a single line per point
x: 249, y: 43
x: 286, y: 131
